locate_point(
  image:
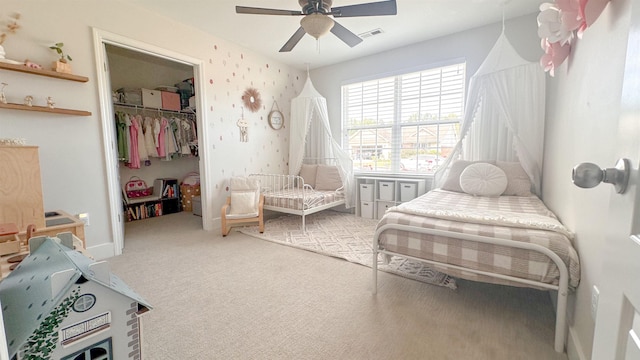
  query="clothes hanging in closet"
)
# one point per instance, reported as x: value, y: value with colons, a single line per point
x: 142, y: 139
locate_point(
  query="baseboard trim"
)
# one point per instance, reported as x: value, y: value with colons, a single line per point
x: 574, y: 347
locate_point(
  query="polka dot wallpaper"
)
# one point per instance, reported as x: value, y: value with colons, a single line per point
x: 229, y: 72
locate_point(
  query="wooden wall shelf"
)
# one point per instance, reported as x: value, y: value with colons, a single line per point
x: 42, y: 72
x: 45, y: 109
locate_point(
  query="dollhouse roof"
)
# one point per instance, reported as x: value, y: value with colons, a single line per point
x: 40, y: 282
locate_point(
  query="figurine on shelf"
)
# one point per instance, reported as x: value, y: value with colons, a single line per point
x: 50, y: 102
x: 28, y: 100
x: 3, y: 98
x: 32, y: 65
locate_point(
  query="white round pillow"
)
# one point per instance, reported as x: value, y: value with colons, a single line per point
x: 483, y: 179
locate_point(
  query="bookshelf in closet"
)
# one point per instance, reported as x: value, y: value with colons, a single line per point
x: 164, y: 200
x: 170, y: 197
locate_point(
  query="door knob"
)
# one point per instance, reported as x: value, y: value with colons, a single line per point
x: 588, y: 175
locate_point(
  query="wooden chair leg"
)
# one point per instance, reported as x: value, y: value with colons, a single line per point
x: 261, y: 214
x: 223, y: 225
x: 223, y: 218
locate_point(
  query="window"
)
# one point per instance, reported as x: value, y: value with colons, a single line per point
x: 405, y: 123
x: 100, y: 351
x: 84, y: 303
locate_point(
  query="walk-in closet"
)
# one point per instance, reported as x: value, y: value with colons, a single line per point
x: 156, y: 134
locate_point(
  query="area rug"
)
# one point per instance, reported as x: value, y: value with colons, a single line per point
x: 343, y: 236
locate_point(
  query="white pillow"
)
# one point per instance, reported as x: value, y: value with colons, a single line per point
x: 483, y: 179
x: 452, y: 183
x: 519, y: 183
x: 328, y: 178
x: 246, y: 191
x: 243, y: 202
x: 308, y: 174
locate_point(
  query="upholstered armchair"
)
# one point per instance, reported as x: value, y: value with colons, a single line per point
x: 243, y: 206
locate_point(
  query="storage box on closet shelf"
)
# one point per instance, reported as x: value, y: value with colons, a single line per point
x: 130, y: 96
x: 169, y: 97
x: 141, y: 97
x: 162, y: 97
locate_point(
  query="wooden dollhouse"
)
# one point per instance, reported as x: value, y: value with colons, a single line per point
x: 59, y: 304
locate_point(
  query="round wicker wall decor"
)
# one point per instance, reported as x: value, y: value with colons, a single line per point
x: 251, y: 99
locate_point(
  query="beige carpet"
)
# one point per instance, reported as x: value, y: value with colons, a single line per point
x: 344, y: 236
x: 239, y: 297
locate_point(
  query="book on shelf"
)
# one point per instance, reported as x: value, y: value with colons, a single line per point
x: 170, y: 191
x: 168, y: 186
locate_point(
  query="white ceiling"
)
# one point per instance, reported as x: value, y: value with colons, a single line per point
x: 416, y: 21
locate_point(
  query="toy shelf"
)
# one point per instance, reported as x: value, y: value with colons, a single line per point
x: 45, y: 109
x: 42, y: 72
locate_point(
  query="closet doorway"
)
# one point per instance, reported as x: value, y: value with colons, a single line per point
x: 130, y: 65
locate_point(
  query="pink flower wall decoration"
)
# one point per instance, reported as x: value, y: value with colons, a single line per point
x: 560, y: 23
x: 554, y: 54
x: 572, y: 13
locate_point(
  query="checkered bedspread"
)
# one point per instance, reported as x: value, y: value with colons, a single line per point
x: 517, y: 218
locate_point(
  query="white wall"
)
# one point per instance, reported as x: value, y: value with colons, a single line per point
x: 583, y: 105
x: 72, y: 155
x: 472, y: 46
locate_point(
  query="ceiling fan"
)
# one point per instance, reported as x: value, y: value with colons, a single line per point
x: 317, y: 22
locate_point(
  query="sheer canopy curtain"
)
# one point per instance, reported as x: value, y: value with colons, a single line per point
x: 311, y: 138
x: 504, y: 114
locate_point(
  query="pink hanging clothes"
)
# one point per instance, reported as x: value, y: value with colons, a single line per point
x: 134, y: 159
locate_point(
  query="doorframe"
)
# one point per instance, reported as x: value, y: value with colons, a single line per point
x: 100, y: 39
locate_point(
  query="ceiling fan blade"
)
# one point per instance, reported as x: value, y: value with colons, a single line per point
x: 293, y: 41
x: 345, y: 34
x: 263, y: 11
x: 368, y: 9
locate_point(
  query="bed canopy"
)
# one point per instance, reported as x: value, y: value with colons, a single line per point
x: 310, y: 137
x: 504, y: 114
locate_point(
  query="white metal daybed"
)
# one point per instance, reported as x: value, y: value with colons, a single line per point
x: 291, y: 195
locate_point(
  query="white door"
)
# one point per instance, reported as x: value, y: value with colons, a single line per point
x: 617, y: 334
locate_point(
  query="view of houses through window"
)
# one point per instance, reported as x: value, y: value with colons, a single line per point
x: 406, y: 123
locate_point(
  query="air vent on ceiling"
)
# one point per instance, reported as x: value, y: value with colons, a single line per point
x: 370, y: 33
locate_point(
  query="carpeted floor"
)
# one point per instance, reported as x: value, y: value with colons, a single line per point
x: 239, y: 297
x: 344, y: 236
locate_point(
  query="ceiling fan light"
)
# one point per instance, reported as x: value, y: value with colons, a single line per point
x: 316, y: 25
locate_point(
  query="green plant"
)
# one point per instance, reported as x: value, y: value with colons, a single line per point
x: 58, y: 48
